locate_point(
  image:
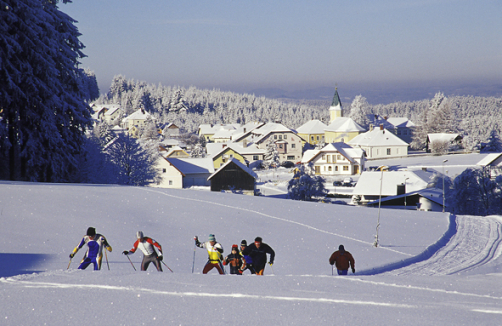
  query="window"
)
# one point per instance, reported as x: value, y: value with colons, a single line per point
x: 275, y: 136
x: 322, y: 138
x: 317, y: 169
x: 325, y: 168
x: 170, y: 182
x: 291, y: 157
x: 323, y: 157
x: 280, y: 137
x: 336, y: 167
x: 255, y: 157
x: 329, y: 168
x: 399, y: 132
x: 388, y: 151
x: 345, y: 167
x: 280, y: 145
x: 338, y: 157
x: 329, y: 158
x: 312, y: 138
x: 318, y: 138
x: 164, y: 170
x: 334, y: 158
x: 231, y: 156
x: 293, y: 145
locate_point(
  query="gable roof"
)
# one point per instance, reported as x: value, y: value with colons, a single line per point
x: 344, y: 124
x: 343, y: 149
x: 443, y: 137
x: 192, y: 165
x: 377, y: 137
x: 239, y: 164
x: 312, y: 127
x: 214, y: 149
x: 140, y: 114
x: 400, y: 122
x: 432, y: 194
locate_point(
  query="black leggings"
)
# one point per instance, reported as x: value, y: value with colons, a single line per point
x: 150, y: 259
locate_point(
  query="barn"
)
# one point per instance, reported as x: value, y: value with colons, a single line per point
x: 233, y: 176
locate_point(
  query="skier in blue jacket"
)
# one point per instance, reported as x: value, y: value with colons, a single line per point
x: 95, y: 243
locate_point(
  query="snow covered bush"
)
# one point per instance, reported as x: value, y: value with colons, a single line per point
x: 304, y: 187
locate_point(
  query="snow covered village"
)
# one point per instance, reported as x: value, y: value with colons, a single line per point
x: 146, y: 204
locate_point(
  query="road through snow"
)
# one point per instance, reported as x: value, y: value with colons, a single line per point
x: 477, y: 242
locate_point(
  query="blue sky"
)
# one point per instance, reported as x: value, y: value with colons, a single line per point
x: 246, y: 45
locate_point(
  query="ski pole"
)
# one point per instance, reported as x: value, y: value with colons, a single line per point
x: 166, y: 266
x: 106, y: 256
x: 332, y: 270
x: 131, y: 262
x: 194, y: 247
x: 68, y: 265
x: 273, y: 273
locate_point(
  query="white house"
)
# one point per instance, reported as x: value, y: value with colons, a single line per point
x: 380, y: 143
x: 334, y: 159
x: 184, y: 172
x: 446, y: 140
x: 135, y: 121
x: 372, y: 184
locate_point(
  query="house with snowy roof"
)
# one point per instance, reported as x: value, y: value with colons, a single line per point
x: 373, y: 184
x: 233, y: 176
x: 447, y: 141
x: 174, y: 152
x: 289, y: 145
x: 380, y: 143
x: 400, y: 126
x: 341, y: 129
x: 209, y: 130
x: 134, y: 122
x: 222, y: 152
x: 493, y: 162
x: 184, y: 172
x: 334, y: 159
x: 312, y: 132
x: 105, y: 112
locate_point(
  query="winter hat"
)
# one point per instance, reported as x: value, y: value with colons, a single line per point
x: 244, y: 243
x: 235, y: 247
x: 212, y: 237
x: 258, y: 239
x: 139, y: 234
x: 341, y: 248
x: 91, y: 231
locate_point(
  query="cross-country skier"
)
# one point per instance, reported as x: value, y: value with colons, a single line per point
x: 235, y: 261
x: 258, y: 252
x: 342, y: 260
x: 147, y: 246
x: 95, y: 243
x: 214, y: 250
x: 249, y: 261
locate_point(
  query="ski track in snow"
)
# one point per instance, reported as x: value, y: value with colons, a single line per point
x: 477, y: 241
x: 276, y: 218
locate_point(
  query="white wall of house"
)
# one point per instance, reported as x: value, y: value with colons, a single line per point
x: 171, y: 177
x: 385, y: 151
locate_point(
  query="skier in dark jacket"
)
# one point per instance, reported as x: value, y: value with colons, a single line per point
x: 235, y: 261
x: 258, y: 252
x: 343, y: 260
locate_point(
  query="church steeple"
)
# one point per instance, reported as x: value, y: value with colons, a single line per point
x: 336, y: 110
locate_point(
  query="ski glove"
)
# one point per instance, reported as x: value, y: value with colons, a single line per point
x: 72, y: 255
x: 160, y: 258
x: 353, y: 270
x: 125, y: 252
x: 109, y: 248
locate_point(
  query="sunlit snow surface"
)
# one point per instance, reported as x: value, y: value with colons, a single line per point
x: 429, y: 269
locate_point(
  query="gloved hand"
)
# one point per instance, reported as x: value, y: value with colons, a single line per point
x: 72, y: 255
x: 125, y: 252
x: 353, y: 270
x: 271, y: 263
x: 160, y: 258
x: 197, y: 243
x: 225, y: 262
x: 109, y: 248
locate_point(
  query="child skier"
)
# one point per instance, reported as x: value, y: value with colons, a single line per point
x: 236, y: 261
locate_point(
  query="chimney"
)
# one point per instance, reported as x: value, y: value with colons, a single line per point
x: 381, y: 126
x: 244, y: 130
x: 371, y: 127
x: 245, y: 143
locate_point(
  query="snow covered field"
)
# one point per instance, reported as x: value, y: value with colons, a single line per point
x: 430, y: 268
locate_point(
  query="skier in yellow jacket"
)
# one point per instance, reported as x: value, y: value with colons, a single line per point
x: 214, y: 250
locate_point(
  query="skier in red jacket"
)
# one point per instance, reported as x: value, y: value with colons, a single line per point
x: 342, y: 260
